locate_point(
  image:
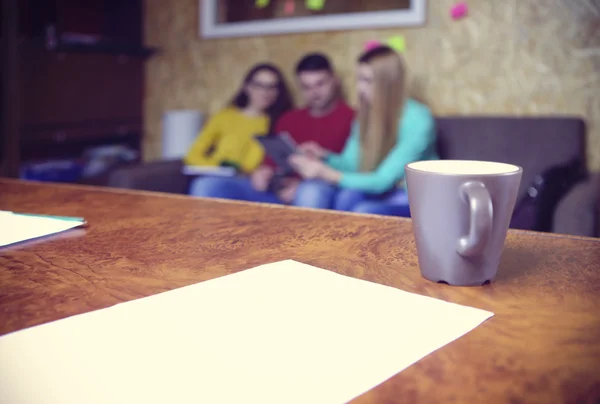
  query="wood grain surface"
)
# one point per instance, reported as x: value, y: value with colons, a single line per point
x: 543, y: 344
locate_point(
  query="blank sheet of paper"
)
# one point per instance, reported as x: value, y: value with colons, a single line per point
x: 15, y: 228
x: 279, y: 333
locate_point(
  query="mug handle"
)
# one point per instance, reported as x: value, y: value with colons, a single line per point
x: 481, y: 218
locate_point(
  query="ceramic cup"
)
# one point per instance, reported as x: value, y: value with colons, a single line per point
x: 461, y: 210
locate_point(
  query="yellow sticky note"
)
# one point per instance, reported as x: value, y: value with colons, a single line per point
x: 315, y: 5
x: 397, y: 43
x: 261, y: 3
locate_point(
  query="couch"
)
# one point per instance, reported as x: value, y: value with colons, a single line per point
x: 535, y: 143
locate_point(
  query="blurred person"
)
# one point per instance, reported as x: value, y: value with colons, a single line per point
x: 228, y: 137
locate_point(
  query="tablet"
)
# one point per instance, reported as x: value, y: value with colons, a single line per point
x: 279, y: 147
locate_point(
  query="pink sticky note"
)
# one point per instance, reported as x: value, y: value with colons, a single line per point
x: 372, y: 44
x: 289, y: 7
x: 459, y: 10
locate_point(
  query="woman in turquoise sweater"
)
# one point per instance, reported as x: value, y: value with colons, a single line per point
x: 390, y: 132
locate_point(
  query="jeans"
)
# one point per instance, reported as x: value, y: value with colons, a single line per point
x: 238, y: 188
x: 322, y: 195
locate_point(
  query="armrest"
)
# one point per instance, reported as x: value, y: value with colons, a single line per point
x: 578, y: 212
x: 161, y: 176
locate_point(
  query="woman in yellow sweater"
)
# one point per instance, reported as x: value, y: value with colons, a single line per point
x: 228, y: 137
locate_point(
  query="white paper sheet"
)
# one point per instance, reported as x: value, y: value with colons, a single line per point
x: 279, y: 333
x: 15, y: 228
x: 217, y: 171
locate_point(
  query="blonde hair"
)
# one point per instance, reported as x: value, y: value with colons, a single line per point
x: 378, y: 122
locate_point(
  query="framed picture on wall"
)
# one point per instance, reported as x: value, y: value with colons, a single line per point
x: 230, y: 18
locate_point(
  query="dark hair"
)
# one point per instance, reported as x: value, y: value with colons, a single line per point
x: 373, y: 53
x: 282, y: 103
x: 313, y: 62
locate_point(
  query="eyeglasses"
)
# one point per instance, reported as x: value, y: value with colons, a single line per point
x: 264, y: 86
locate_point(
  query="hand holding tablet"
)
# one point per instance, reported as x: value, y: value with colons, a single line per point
x: 313, y: 149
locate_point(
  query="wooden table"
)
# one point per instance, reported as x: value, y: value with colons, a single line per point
x: 543, y: 344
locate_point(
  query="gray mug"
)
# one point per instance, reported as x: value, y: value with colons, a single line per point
x: 461, y: 210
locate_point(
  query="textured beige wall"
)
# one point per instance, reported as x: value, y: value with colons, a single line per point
x: 517, y: 57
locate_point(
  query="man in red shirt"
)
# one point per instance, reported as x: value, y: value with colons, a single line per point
x: 326, y: 119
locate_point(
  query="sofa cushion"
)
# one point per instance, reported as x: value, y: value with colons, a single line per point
x: 579, y: 212
x: 159, y: 176
x: 534, y: 143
